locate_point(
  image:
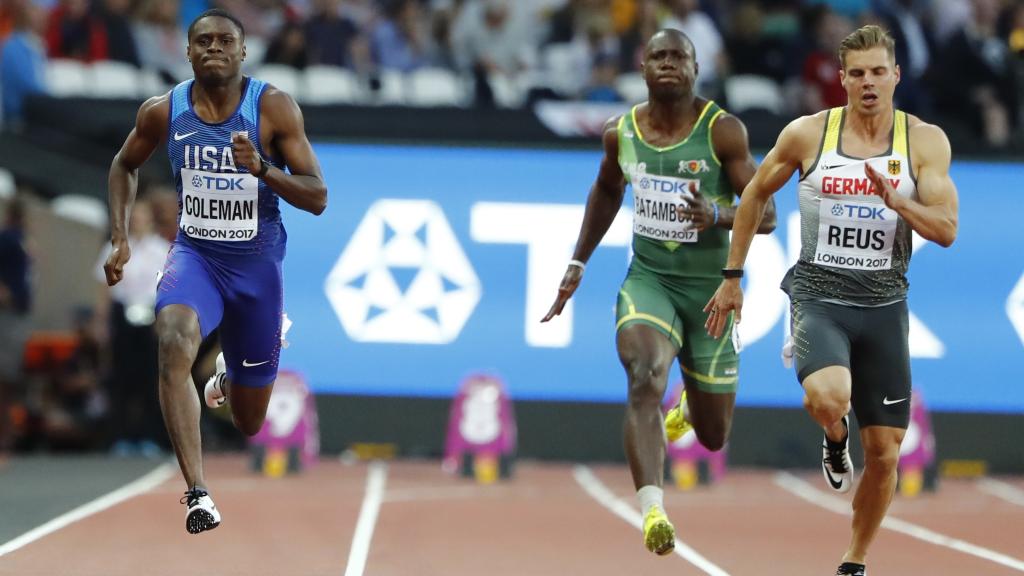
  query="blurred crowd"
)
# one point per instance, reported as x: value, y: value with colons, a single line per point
x: 960, y: 58
x: 93, y: 386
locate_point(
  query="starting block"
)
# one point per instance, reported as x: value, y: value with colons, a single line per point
x: 917, y: 467
x: 290, y: 438
x: 688, y: 463
x: 481, y: 437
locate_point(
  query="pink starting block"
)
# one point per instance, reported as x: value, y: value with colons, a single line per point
x: 290, y: 438
x: 917, y: 467
x: 689, y: 463
x: 481, y: 438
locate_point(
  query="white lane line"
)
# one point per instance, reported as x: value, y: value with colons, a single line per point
x: 803, y: 490
x: 605, y: 497
x: 144, y: 484
x: 375, y: 478
x: 1001, y: 489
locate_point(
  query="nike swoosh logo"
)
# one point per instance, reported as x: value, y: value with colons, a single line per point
x: 834, y: 166
x: 183, y: 136
x: 888, y: 402
x: 832, y: 481
x: 248, y: 364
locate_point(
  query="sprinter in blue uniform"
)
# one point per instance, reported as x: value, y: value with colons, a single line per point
x: 229, y: 138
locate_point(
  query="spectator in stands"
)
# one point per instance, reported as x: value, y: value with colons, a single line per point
x: 751, y: 51
x: 120, y: 37
x: 23, y: 61
x: 331, y: 38
x: 75, y: 32
x: 161, y: 39
x: 15, y: 304
x: 398, y: 41
x: 975, y: 79
x: 72, y: 405
x: 686, y: 16
x: 164, y: 200
x: 853, y: 10
x: 948, y: 17
x: 261, y: 18
x: 127, y: 310
x: 913, y: 54
x: 603, y: 73
x: 493, y: 37
x: 288, y: 47
x: 634, y: 39
x: 820, y: 76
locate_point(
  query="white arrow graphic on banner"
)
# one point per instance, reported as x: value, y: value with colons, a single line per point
x: 1015, y: 308
x: 923, y: 343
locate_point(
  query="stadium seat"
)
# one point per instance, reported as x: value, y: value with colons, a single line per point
x: 632, y: 87
x: 282, y: 77
x: 111, y: 79
x: 752, y: 92
x: 435, y: 87
x: 508, y: 92
x: 330, y: 85
x: 150, y: 83
x: 567, y: 65
x: 392, y: 87
x: 83, y: 209
x: 66, y: 77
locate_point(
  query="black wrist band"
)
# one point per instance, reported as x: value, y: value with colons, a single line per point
x: 264, y: 166
x: 732, y: 272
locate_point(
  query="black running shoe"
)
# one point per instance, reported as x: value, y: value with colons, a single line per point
x: 836, y: 463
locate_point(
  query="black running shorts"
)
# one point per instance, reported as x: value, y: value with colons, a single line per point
x: 871, y: 342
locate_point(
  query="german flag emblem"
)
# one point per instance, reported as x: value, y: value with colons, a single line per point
x: 894, y: 167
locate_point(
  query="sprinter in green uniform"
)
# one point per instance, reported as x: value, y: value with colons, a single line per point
x: 684, y: 159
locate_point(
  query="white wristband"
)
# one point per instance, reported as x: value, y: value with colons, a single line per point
x: 578, y: 264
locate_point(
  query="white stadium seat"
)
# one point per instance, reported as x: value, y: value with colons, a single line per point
x: 66, y: 77
x: 110, y: 79
x: 282, y: 77
x: 392, y: 87
x: 632, y: 87
x: 752, y: 92
x: 435, y: 87
x: 330, y: 85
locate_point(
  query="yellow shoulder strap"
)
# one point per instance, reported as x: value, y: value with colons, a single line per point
x: 834, y: 123
x: 899, y: 134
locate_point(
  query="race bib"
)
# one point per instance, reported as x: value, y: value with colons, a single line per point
x: 656, y: 200
x: 219, y: 206
x: 856, y: 235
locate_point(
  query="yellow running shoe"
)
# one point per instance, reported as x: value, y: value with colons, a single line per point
x: 659, y: 534
x: 676, y: 424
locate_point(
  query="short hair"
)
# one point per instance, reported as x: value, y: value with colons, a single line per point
x: 679, y: 34
x: 218, y: 12
x: 866, y: 38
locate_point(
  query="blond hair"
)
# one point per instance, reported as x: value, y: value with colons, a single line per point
x: 866, y: 38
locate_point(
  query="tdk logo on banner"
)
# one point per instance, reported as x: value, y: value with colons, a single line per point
x: 403, y: 277
x: 859, y: 212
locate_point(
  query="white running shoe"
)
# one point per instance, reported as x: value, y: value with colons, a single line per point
x: 202, y: 514
x: 214, y: 392
x: 836, y: 462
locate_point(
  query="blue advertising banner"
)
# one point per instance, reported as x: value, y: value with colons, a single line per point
x: 433, y: 263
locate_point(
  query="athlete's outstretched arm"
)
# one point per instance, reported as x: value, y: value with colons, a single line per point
x: 776, y: 169
x: 304, y: 188
x: 732, y: 147
x: 934, y: 217
x: 123, y: 180
x: 603, y: 205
